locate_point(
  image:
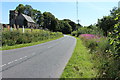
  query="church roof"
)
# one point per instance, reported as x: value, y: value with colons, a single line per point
x: 28, y: 18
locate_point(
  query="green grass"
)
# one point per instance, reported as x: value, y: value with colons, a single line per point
x: 27, y: 44
x: 16, y: 39
x: 80, y: 64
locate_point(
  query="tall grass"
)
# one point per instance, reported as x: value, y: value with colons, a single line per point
x: 104, y: 61
x: 80, y: 64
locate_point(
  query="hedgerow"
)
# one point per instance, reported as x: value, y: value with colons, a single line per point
x: 10, y: 38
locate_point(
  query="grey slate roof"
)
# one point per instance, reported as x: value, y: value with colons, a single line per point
x: 28, y: 18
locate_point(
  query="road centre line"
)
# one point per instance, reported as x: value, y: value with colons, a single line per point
x: 3, y: 65
x: 50, y: 46
x: 10, y: 62
x: 13, y: 61
x: 24, y: 57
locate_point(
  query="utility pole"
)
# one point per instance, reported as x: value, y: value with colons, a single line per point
x: 119, y: 4
x: 77, y: 11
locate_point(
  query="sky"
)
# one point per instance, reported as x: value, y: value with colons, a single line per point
x: 88, y: 12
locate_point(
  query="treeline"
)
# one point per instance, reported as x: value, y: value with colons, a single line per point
x: 47, y: 20
x: 103, y: 27
x: 107, y: 23
x: 110, y: 25
x: 111, y: 28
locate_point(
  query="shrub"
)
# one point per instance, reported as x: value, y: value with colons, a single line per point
x: 115, y: 39
x: 74, y: 33
x: 86, y: 30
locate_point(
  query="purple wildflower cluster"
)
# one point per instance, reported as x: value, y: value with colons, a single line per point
x: 89, y: 36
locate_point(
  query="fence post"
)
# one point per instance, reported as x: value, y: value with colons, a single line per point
x: 11, y: 29
x: 31, y: 29
x: 15, y: 27
x: 8, y: 27
x: 2, y: 27
x: 23, y: 29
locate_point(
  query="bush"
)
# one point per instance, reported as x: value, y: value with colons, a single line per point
x: 115, y: 39
x: 86, y: 30
x: 74, y: 33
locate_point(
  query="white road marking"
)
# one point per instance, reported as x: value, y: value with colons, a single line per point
x: 24, y: 56
x: 10, y: 62
x: 21, y: 58
x: 3, y: 65
x: 14, y: 61
x: 50, y: 46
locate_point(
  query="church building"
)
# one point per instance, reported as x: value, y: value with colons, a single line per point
x: 20, y: 19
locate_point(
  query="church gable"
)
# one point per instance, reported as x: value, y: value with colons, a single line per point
x: 21, y: 19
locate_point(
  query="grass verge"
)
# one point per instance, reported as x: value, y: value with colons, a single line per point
x: 27, y: 44
x: 80, y: 64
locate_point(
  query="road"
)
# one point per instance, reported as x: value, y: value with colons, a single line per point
x: 46, y: 60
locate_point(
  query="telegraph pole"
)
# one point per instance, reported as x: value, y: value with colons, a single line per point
x: 77, y: 11
x: 119, y: 4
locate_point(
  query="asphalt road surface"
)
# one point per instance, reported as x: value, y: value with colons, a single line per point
x: 46, y: 60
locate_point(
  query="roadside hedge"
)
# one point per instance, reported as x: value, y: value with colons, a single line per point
x: 10, y: 38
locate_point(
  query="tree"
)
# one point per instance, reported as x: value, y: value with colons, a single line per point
x: 78, y: 26
x: 60, y: 25
x: 115, y: 12
x: 67, y: 29
x: 28, y: 10
x: 50, y: 21
x: 115, y: 34
x: 64, y: 27
x: 20, y: 8
x: 72, y: 24
x: 38, y: 17
x: 106, y: 24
